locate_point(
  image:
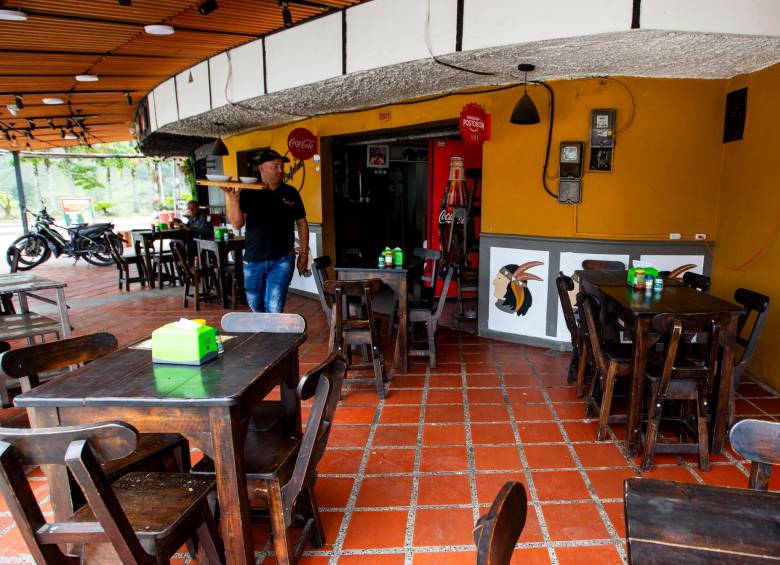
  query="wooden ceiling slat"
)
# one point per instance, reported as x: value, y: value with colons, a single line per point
x: 63, y: 38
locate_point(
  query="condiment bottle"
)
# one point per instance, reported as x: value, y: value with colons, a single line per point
x: 639, y: 279
x: 398, y: 257
x: 388, y: 257
x: 658, y: 284
x: 649, y: 282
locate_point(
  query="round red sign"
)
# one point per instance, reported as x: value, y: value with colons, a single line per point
x: 302, y: 143
x: 473, y: 124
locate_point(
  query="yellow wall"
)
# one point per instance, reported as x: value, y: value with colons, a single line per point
x: 667, y: 163
x: 749, y: 209
x: 671, y: 172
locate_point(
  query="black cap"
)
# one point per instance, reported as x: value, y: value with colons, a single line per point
x: 271, y: 155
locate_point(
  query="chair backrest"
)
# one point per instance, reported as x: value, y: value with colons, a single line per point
x: 26, y: 363
x: 429, y: 255
x: 755, y: 303
x: 112, y: 251
x: 496, y: 533
x: 758, y: 441
x: 676, y: 328
x: 599, y: 265
x: 338, y: 291
x: 590, y: 309
x: 82, y: 449
x: 268, y: 322
x: 13, y: 258
x: 565, y: 285
x: 324, y: 384
x: 320, y: 271
x: 696, y: 281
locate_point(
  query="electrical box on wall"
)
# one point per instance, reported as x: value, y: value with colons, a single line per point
x: 602, y: 139
x: 570, y: 172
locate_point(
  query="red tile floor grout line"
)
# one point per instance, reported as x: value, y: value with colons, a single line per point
x: 404, y: 479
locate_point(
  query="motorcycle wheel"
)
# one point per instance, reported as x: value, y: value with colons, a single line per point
x: 33, y: 250
x: 95, y: 252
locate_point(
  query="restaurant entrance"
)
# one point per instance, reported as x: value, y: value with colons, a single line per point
x: 386, y: 191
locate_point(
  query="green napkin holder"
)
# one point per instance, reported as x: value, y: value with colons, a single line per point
x: 184, y: 344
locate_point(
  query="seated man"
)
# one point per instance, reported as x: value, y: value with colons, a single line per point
x: 198, y: 224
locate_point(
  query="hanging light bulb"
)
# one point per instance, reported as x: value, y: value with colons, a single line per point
x: 525, y: 112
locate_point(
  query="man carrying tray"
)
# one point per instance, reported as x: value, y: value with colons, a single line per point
x: 270, y: 217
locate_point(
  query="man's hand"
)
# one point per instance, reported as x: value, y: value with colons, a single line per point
x: 303, y: 262
x: 231, y: 192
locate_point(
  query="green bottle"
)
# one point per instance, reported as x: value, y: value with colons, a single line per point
x: 398, y: 257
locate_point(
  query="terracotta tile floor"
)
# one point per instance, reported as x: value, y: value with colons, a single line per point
x: 404, y: 480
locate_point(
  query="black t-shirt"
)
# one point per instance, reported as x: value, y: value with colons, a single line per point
x: 270, y: 221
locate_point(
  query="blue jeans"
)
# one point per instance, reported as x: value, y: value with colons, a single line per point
x: 266, y: 283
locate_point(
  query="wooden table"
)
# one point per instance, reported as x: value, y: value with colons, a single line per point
x: 144, y: 243
x: 221, y: 250
x: 207, y: 404
x: 399, y: 279
x: 671, y: 522
x: 638, y: 308
x: 29, y: 324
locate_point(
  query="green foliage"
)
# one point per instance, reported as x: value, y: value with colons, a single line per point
x: 104, y: 207
x: 168, y: 203
x: 185, y: 196
x: 6, y: 204
x: 83, y: 173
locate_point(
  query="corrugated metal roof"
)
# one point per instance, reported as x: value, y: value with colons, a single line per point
x: 62, y: 38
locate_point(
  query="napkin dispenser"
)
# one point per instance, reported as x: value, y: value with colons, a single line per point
x: 184, y: 343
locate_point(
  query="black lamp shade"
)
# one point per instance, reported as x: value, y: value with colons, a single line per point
x: 221, y: 149
x: 525, y: 112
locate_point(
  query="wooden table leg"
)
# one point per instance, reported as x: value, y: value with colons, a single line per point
x: 634, y: 424
x: 725, y: 398
x: 231, y: 484
x: 148, y: 260
x: 403, y: 316
x: 63, y: 306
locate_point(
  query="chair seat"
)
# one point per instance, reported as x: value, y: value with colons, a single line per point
x: 148, y: 446
x: 153, y: 502
x: 267, y: 455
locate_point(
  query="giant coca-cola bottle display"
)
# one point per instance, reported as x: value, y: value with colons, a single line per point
x: 454, y: 196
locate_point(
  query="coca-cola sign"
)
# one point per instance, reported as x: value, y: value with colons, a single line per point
x: 302, y: 143
x: 474, y: 124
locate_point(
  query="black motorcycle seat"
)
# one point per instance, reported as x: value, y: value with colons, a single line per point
x: 86, y: 229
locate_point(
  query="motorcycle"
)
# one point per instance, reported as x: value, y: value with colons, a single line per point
x: 87, y: 241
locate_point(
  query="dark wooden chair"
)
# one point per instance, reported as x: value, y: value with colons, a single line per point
x: 669, y: 522
x: 748, y: 334
x: 123, y: 264
x: 281, y: 468
x: 758, y: 441
x: 612, y: 361
x: 142, y: 518
x: 268, y: 413
x: 684, y: 378
x: 432, y: 258
x: 6, y: 299
x: 600, y: 265
x: 200, y: 279
x: 27, y: 364
x: 320, y: 271
x: 697, y: 282
x: 579, y: 358
x: 496, y: 532
x: 466, y: 277
x: 428, y: 313
x: 349, y: 327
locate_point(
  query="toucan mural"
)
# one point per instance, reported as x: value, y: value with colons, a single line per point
x: 510, y: 287
x: 680, y: 271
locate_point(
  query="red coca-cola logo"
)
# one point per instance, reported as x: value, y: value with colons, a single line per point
x: 302, y: 143
x: 474, y: 124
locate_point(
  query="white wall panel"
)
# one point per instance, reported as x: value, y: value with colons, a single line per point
x: 748, y: 17
x: 487, y: 23
x: 246, y: 79
x: 193, y: 96
x: 386, y: 32
x: 165, y: 102
x: 152, y: 112
x: 501, y: 316
x: 304, y: 54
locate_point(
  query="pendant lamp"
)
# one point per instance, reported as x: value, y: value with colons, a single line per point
x: 219, y: 147
x: 525, y: 112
